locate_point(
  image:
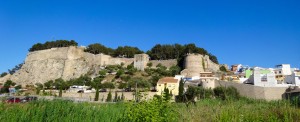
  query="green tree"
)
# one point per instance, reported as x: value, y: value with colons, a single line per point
x: 127, y: 51
x: 108, y: 85
x: 181, y: 87
x: 122, y: 97
x: 140, y: 82
x: 49, y: 84
x: 61, y: 85
x: 116, y: 97
x: 51, y: 44
x: 119, y: 73
x: 109, y: 97
x: 3, y: 74
x: 223, y: 69
x: 18, y: 87
x: 39, y: 87
x: 102, y: 73
x: 122, y: 85
x: 154, y: 79
x: 99, y: 48
x: 96, y: 83
x: 7, y: 85
x: 166, y: 94
x: 174, y: 70
x: 149, y: 64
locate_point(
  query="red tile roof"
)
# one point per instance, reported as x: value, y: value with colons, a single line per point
x: 167, y: 80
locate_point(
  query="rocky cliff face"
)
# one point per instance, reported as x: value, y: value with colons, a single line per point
x: 67, y: 63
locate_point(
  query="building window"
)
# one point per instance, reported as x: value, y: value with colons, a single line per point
x: 264, y: 79
x: 279, y: 72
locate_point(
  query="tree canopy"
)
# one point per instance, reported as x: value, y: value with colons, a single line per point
x: 177, y: 51
x: 52, y: 44
x: 98, y: 48
x: 127, y: 51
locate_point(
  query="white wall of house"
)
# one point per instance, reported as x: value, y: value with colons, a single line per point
x: 265, y: 80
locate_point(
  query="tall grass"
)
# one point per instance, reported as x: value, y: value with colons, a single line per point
x: 60, y: 111
x: 247, y: 110
x: 244, y: 109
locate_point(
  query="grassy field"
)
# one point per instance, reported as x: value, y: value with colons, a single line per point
x: 205, y: 110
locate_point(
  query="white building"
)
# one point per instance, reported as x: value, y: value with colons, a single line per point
x: 267, y: 79
x: 272, y: 78
x: 283, y: 69
x: 294, y: 78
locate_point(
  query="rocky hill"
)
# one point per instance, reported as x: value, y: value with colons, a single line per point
x: 66, y: 62
x: 72, y: 62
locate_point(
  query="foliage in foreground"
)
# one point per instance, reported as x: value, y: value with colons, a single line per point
x: 239, y: 110
x: 60, y: 111
x: 154, y: 110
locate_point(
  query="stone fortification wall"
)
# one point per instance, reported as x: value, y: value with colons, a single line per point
x: 256, y: 92
x: 167, y: 63
x: 140, y: 61
x: 66, y: 62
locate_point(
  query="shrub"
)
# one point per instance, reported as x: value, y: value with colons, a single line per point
x: 225, y: 93
x: 154, y: 110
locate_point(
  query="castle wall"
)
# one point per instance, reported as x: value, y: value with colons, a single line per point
x: 167, y: 63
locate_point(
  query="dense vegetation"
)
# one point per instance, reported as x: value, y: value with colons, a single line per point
x: 126, y: 51
x: 8, y: 84
x: 153, y: 110
x: 52, y: 44
x: 177, y: 51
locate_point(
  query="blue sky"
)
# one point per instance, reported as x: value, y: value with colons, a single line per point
x: 252, y: 32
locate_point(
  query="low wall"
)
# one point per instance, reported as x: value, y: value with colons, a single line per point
x: 255, y: 92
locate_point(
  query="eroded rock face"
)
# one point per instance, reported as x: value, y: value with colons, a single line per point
x: 66, y: 62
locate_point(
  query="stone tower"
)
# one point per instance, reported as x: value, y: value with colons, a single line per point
x: 196, y: 63
x: 140, y: 61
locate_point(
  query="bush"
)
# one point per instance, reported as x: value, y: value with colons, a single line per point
x: 205, y: 93
x: 223, y: 69
x: 154, y: 110
x: 226, y: 93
